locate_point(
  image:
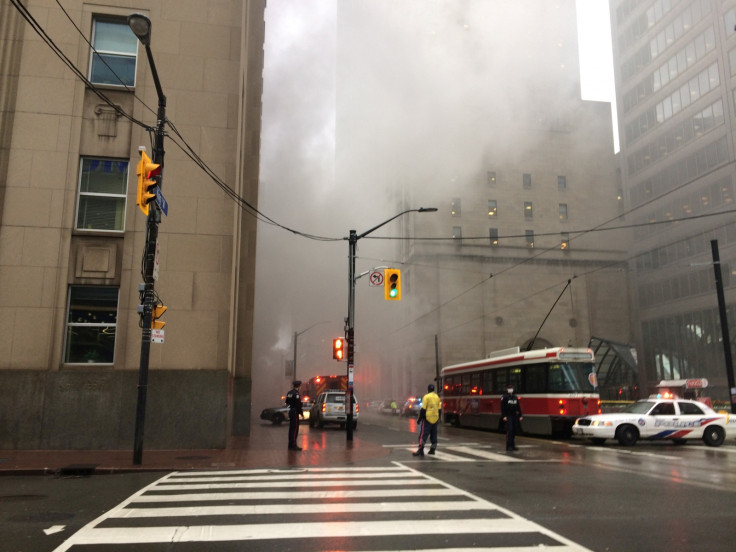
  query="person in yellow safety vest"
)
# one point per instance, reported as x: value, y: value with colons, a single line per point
x: 429, y: 418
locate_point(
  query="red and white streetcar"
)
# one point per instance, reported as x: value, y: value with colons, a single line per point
x: 556, y: 386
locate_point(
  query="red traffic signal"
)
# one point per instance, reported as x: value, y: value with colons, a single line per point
x: 338, y: 348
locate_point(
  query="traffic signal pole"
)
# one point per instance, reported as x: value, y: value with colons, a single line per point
x: 350, y: 320
x: 149, y: 253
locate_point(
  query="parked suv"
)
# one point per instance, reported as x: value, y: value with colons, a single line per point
x: 331, y: 408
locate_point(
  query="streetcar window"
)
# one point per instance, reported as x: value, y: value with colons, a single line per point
x: 475, y: 384
x: 535, y: 378
x: 515, y: 379
x: 465, y: 389
x: 488, y: 378
x: 574, y: 376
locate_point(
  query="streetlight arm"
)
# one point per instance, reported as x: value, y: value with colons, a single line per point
x: 420, y: 210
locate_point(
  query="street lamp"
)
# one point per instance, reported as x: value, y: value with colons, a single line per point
x: 141, y: 27
x: 350, y: 320
x: 297, y: 334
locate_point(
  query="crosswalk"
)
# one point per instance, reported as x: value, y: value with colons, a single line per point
x: 311, y: 509
x: 464, y: 452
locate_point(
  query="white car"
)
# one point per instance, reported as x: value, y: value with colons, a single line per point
x: 675, y: 419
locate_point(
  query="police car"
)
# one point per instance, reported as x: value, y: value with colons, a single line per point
x: 656, y: 418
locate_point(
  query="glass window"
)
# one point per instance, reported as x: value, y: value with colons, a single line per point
x: 457, y: 232
x: 103, y: 186
x: 529, y: 238
x: 455, y: 208
x: 491, y: 178
x: 91, y: 325
x: 535, y: 378
x: 527, y: 180
x: 493, y: 235
x: 492, y: 208
x: 690, y: 408
x: 528, y: 211
x: 561, y: 183
x: 563, y: 211
x: 114, y: 55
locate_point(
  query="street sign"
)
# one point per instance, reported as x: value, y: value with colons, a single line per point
x: 161, y: 200
x: 155, y: 261
x: 376, y: 278
x: 157, y: 336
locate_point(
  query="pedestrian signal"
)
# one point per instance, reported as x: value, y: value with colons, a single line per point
x: 392, y: 284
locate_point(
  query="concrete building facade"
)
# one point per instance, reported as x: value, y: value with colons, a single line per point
x: 522, y: 172
x: 675, y: 71
x: 77, y: 100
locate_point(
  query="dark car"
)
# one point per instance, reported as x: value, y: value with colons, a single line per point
x: 277, y: 414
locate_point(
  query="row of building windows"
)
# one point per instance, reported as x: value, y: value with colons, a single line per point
x: 641, y: 24
x: 678, y: 136
x: 676, y: 65
x: 714, y: 197
x: 91, y: 323
x: 658, y: 45
x: 686, y: 345
x: 678, y: 252
x: 685, y: 170
x: 494, y: 240
x: 526, y: 181
x: 456, y: 209
x: 672, y: 104
x: 697, y: 282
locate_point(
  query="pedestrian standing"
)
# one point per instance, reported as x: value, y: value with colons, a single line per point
x: 511, y: 413
x: 294, y: 402
x: 429, y: 418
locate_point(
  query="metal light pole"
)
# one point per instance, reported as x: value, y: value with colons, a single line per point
x: 350, y: 320
x: 141, y: 27
x: 297, y: 334
x: 724, y: 323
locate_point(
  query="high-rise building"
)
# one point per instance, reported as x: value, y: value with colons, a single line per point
x: 77, y: 100
x: 675, y: 70
x: 474, y: 108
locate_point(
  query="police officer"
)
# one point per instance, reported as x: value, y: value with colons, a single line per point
x: 294, y: 402
x: 511, y: 413
x: 429, y: 418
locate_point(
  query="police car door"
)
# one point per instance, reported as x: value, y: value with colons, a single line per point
x: 691, y: 418
x: 662, y: 420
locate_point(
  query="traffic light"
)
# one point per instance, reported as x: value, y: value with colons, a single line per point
x: 158, y: 311
x: 338, y: 348
x: 392, y: 284
x: 146, y: 170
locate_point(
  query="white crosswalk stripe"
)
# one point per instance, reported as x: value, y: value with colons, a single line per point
x: 312, y: 509
x: 468, y: 453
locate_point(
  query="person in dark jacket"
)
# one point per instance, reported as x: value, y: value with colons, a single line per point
x: 294, y: 402
x: 511, y: 413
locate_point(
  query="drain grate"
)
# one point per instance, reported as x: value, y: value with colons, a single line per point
x: 77, y: 470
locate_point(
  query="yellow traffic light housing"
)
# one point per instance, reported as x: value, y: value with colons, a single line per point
x: 145, y: 170
x: 158, y: 311
x: 392, y: 284
x: 338, y: 348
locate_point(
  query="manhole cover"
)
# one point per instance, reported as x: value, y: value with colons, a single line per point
x: 21, y: 497
x: 42, y: 517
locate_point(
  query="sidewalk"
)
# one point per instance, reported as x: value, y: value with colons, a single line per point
x: 265, y: 447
